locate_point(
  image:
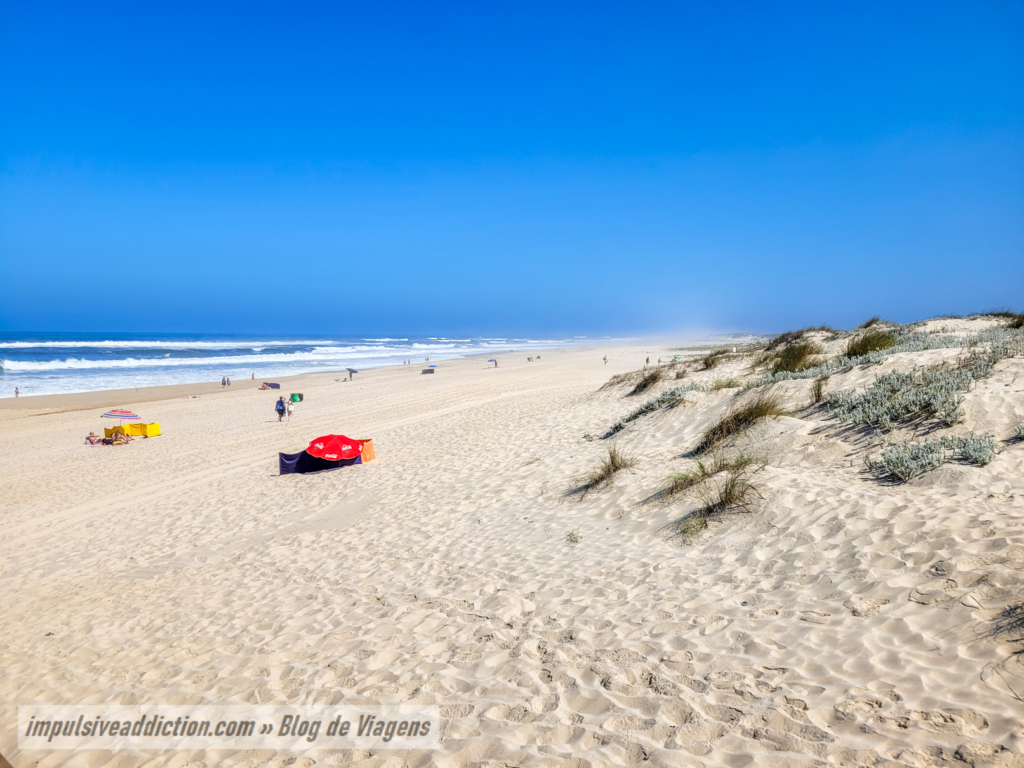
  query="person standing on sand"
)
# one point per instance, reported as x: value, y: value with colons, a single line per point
x: 254, y: 377
x: 291, y: 409
x: 228, y: 380
x: 606, y: 359
x: 222, y: 382
x: 280, y: 408
x: 16, y: 392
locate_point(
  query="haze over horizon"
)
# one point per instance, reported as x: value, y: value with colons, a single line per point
x: 595, y: 169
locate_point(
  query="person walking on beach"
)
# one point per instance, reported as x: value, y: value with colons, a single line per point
x: 291, y: 409
x: 254, y: 377
x: 228, y: 380
x: 280, y: 407
x: 606, y: 359
x: 223, y: 381
x: 16, y: 392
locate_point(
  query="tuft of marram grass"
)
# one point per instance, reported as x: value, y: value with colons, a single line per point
x: 604, y: 472
x: 795, y: 357
x: 739, y: 419
x: 872, y: 341
x: 1016, y: 322
x: 647, y: 380
x: 718, y: 384
x: 818, y: 390
x: 680, y: 482
x: 869, y: 322
x: 621, y: 378
x: 733, y: 492
x: 711, y: 359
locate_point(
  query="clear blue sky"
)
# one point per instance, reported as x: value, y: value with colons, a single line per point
x: 507, y: 168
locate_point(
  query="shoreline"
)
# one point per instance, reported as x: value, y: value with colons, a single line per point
x: 111, y: 398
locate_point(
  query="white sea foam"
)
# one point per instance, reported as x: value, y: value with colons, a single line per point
x: 142, y: 344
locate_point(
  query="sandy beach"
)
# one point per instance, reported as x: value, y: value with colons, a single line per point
x: 839, y: 619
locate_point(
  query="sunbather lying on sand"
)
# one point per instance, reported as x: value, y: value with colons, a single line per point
x: 93, y: 439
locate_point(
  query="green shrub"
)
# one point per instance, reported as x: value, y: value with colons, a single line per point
x: 897, y: 397
x: 909, y: 460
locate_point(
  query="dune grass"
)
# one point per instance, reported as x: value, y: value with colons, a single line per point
x: 796, y: 357
x: 818, y: 390
x: 869, y: 322
x: 712, y: 359
x: 789, y: 337
x: 742, y: 417
x: 872, y: 341
x: 1016, y: 322
x: 603, y: 473
x: 680, y: 482
x: 718, y: 384
x: 621, y: 378
x: 734, y: 492
x: 647, y: 380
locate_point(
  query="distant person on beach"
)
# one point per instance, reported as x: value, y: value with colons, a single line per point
x: 254, y: 376
x: 223, y: 381
x: 280, y: 407
x: 291, y: 409
x: 606, y: 359
x: 228, y: 381
x: 16, y: 392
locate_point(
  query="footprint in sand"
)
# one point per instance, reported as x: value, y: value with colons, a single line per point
x: 866, y: 609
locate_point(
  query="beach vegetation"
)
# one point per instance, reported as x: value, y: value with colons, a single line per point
x: 680, y: 482
x: 733, y: 492
x: 573, y: 537
x: 712, y: 359
x: 739, y: 419
x: 670, y: 398
x: 795, y: 357
x: 604, y: 472
x: 648, y: 379
x: 818, y: 390
x: 620, y: 379
x: 871, y: 321
x: 898, y: 397
x: 791, y: 337
x: 718, y: 384
x: 872, y: 341
x: 906, y: 460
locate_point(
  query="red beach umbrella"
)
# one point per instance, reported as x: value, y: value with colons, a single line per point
x: 335, y: 447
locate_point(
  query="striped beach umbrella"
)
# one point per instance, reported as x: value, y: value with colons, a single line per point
x: 121, y: 415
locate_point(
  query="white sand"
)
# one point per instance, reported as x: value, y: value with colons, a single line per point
x: 843, y: 622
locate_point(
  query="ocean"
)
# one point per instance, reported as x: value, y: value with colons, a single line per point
x: 52, y: 363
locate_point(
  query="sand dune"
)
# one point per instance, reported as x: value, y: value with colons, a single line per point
x: 842, y: 621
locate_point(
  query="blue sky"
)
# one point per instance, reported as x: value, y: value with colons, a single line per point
x: 398, y: 168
